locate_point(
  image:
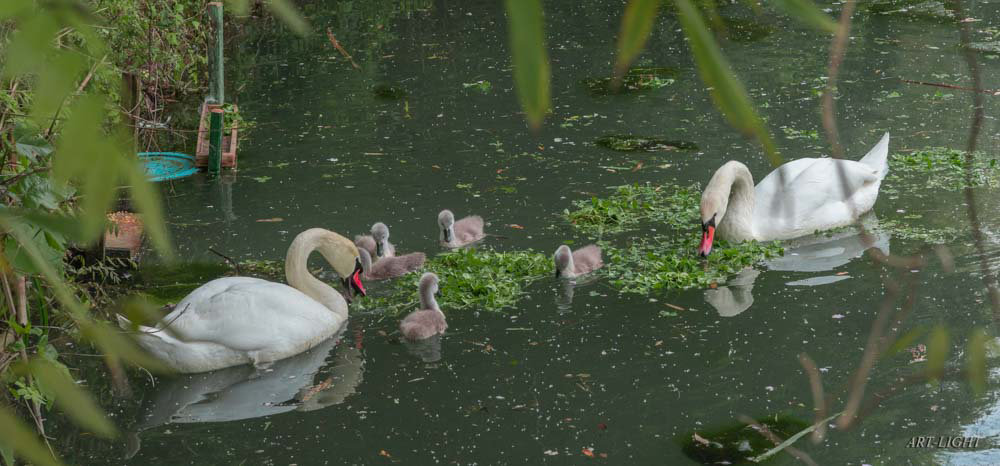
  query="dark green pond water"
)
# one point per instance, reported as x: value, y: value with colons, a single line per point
x: 544, y: 381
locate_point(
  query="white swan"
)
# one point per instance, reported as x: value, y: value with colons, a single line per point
x: 239, y: 320
x: 799, y: 198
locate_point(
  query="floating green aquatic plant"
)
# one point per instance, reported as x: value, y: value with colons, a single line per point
x: 631, y: 142
x: 636, y: 79
x: 666, y: 204
x: 945, y: 169
x: 667, y: 259
x: 671, y: 262
x: 478, y: 279
x: 481, y: 86
x: 901, y: 230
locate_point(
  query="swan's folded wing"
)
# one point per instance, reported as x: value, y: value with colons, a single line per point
x: 809, y: 191
x: 247, y: 314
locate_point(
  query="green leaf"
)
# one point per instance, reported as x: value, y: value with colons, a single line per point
x: 238, y: 7
x: 147, y: 199
x: 286, y: 12
x: 636, y: 26
x: 73, y: 400
x: 85, y: 153
x: 17, y: 437
x: 727, y: 91
x: 937, y: 352
x: 17, y: 254
x: 807, y: 12
x: 15, y: 8
x: 975, y: 360
x: 905, y: 341
x: 59, y: 287
x: 526, y: 33
x: 112, y: 342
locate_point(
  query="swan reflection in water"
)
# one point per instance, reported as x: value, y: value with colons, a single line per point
x: 564, y: 299
x: 312, y: 380
x: 427, y: 349
x: 816, y: 253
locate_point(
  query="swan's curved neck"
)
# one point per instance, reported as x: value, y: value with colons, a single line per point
x: 734, y: 184
x: 427, y: 300
x: 297, y: 273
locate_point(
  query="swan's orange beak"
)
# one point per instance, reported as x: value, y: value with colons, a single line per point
x: 356, y: 280
x: 707, y: 235
x: 356, y: 283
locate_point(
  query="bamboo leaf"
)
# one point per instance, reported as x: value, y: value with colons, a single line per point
x: 525, y: 28
x: 73, y: 400
x: 807, y: 12
x: 975, y: 360
x: 15, y: 8
x: 147, y: 199
x: 59, y: 287
x: 113, y: 342
x: 937, y: 352
x: 905, y: 341
x: 287, y: 13
x: 727, y: 91
x: 636, y: 26
x: 19, y: 438
x: 238, y: 7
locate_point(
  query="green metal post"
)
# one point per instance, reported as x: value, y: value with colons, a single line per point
x: 215, y: 142
x: 218, y: 72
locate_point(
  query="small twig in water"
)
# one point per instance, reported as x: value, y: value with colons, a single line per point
x: 236, y: 265
x: 816, y: 384
x: 951, y: 86
x: 336, y: 45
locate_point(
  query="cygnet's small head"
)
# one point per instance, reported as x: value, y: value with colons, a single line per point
x: 429, y: 284
x: 446, y: 220
x: 380, y: 233
x: 563, y: 258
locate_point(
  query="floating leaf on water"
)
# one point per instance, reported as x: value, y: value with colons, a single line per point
x: 635, y: 80
x: 389, y: 91
x: 736, y: 443
x: 481, y: 86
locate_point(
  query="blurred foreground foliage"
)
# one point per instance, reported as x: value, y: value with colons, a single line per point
x: 74, y: 73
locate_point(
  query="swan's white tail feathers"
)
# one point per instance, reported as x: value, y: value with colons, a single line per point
x: 878, y: 157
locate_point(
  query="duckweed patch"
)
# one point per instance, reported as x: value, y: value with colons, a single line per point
x: 666, y: 204
x: 479, y: 279
x: 631, y: 142
x: 940, y: 168
x: 635, y: 80
x: 737, y: 443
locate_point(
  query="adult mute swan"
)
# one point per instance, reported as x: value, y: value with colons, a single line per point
x: 239, y: 320
x: 799, y: 198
